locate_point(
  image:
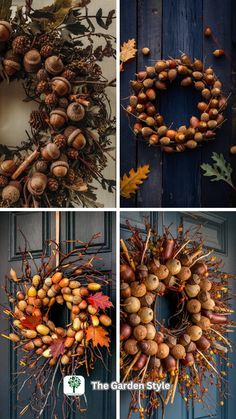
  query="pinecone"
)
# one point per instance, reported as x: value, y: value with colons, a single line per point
x: 70, y: 176
x: 21, y: 44
x: 42, y: 86
x: 3, y: 181
x: 72, y: 153
x: 38, y: 120
x: 41, y: 166
x: 46, y: 51
x: 42, y: 75
x: 60, y: 140
x: 51, y: 99
x: 63, y: 102
x: 69, y: 75
x: 53, y: 184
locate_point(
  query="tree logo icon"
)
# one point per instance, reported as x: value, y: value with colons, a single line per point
x: 74, y: 385
x: 74, y: 382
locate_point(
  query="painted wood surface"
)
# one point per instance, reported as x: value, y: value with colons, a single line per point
x: 218, y: 228
x: 168, y: 27
x: 38, y: 227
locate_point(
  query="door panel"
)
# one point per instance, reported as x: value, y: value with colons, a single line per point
x: 218, y: 230
x: 37, y: 228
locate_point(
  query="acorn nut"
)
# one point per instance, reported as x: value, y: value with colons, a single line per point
x: 32, y: 61
x: 5, y: 31
x: 61, y: 86
x: 58, y: 118
x: 11, y: 192
x: 54, y: 65
x: 59, y: 168
x: 75, y: 112
x: 76, y: 139
x: 37, y: 184
x: 50, y: 152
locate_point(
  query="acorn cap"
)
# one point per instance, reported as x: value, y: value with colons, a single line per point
x: 7, y: 167
x: 60, y: 112
x: 64, y: 80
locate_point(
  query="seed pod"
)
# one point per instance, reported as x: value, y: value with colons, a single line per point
x: 138, y: 289
x: 172, y: 74
x: 193, y: 306
x: 131, y: 347
x: 93, y: 286
x: 151, y: 282
x: 145, y: 314
x: 163, y: 351
x: 178, y: 352
x: 140, y: 332
x: 195, y: 332
x: 218, y: 52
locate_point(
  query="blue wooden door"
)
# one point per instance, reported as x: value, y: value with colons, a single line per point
x: 39, y: 227
x: 218, y: 230
x: 168, y: 27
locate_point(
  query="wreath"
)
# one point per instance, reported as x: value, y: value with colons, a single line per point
x: 53, y: 53
x: 181, y: 349
x: 47, y: 347
x: 150, y: 124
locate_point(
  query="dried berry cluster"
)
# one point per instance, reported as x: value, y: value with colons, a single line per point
x: 184, y: 350
x: 70, y: 128
x: 150, y: 123
x: 70, y: 347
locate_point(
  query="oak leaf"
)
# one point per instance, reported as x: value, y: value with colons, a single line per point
x: 31, y: 322
x: 57, y: 347
x: 130, y: 183
x: 98, y: 336
x: 99, y: 300
x: 128, y: 52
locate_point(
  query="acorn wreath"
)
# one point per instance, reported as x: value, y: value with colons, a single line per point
x: 53, y: 53
x: 188, y: 350
x: 47, y: 348
x: 150, y: 124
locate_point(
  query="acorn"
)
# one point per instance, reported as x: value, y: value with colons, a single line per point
x: 149, y: 347
x: 76, y: 139
x: 131, y: 347
x: 171, y: 341
x: 170, y: 363
x: 11, y: 192
x: 140, y: 332
x: 162, y: 272
x: 174, y: 266
x: 145, y: 51
x: 140, y: 363
x: 160, y: 85
x: 125, y: 290
x: 195, y: 332
x: 192, y: 290
x: 7, y: 167
x: 199, y: 268
x: 5, y: 31
x: 198, y: 65
x: 193, y: 306
x: 138, y: 289
x: 184, y: 340
x: 189, y: 360
x: 178, y: 352
x: 208, y: 32
x: 132, y: 305
x: 151, y: 282
x: 54, y: 65
x: 148, y: 299
x: 160, y: 66
x: 59, y: 168
x: 142, y: 272
x: 133, y: 319
x: 184, y: 274
x: 205, y: 285
x: 151, y: 331
x: 204, y: 323
x: 191, y: 347
x: 75, y: 112
x: 203, y: 343
x: 126, y: 273
x: 159, y: 338
x: 32, y: 61
x: 145, y: 314
x: 11, y: 64
x: 208, y: 305
x: 50, y: 152
x: 61, y: 86
x: 58, y: 118
x: 162, y: 351
x: 218, y: 53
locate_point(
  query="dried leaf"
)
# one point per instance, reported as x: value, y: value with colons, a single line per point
x: 31, y: 322
x: 57, y: 347
x: 130, y: 183
x: 219, y: 170
x: 98, y: 335
x: 128, y: 50
x: 99, y: 300
x: 13, y: 275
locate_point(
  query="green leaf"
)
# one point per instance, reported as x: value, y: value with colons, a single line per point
x: 219, y: 170
x: 5, y: 9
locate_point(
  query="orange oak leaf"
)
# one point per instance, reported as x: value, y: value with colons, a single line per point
x: 99, y: 300
x: 57, y: 347
x: 98, y: 336
x: 128, y: 51
x: 30, y: 322
x: 130, y: 183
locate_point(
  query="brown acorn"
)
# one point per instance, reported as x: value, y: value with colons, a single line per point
x: 138, y: 289
x: 184, y: 274
x: 50, y: 152
x: 61, y: 86
x: 5, y: 30
x: 204, y: 323
x: 125, y: 290
x: 132, y: 305
x: 76, y: 139
x: 131, y: 347
x: 126, y: 273
x: 125, y: 331
x: 32, y: 61
x: 149, y: 347
x: 133, y: 319
x: 188, y: 361
x: 58, y: 118
x: 151, y: 331
x: 163, y: 351
x: 145, y: 314
x: 148, y: 299
x: 170, y: 363
x: 151, y: 282
x: 140, y: 363
x: 174, y: 266
x: 59, y: 168
x: 140, y: 332
x: 75, y: 112
x: 54, y: 65
x: 142, y: 272
x: 195, y: 332
x: 7, y: 167
x: 37, y: 184
x: 178, y: 352
x: 162, y: 272
x: 203, y: 343
x: 193, y: 306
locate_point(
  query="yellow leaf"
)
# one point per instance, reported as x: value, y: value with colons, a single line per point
x: 130, y: 183
x: 128, y: 50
